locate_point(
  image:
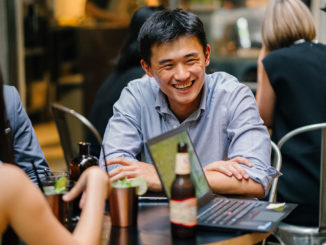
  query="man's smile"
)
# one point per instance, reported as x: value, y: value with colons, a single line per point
x: 183, y: 86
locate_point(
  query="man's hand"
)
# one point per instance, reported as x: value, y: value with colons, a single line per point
x: 133, y: 169
x: 228, y: 177
x: 230, y: 167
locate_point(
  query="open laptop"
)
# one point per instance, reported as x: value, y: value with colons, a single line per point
x: 214, y: 211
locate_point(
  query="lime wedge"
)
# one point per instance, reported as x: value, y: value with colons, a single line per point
x: 123, y: 183
x: 140, y: 184
x: 60, y: 185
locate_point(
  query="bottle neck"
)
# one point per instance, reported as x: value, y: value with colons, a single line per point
x: 83, y: 148
x: 182, y: 164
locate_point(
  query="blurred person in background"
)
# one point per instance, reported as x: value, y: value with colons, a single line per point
x: 290, y: 94
x: 24, y: 208
x: 21, y: 137
x: 128, y: 68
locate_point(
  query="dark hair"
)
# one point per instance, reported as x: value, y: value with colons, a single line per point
x: 169, y: 25
x: 6, y: 148
x: 129, y: 54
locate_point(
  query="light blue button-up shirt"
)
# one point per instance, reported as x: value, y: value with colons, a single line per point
x: 226, y: 124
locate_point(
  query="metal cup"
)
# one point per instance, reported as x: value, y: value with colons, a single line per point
x: 123, y: 203
x: 124, y: 236
x: 61, y: 209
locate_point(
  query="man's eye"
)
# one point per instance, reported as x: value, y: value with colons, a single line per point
x: 190, y: 61
x: 167, y: 66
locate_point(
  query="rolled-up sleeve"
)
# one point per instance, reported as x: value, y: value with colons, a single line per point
x: 249, y: 137
x: 264, y: 176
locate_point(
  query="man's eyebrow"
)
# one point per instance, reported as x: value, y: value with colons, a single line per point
x: 186, y: 56
x: 191, y: 54
x: 161, y: 62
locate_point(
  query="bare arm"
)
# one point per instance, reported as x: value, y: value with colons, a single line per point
x: 96, y: 186
x: 265, y: 95
x: 222, y: 184
x: 229, y: 177
x: 25, y: 209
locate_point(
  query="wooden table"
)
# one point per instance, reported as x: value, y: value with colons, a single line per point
x: 153, y: 228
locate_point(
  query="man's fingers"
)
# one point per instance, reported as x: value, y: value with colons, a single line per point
x: 118, y: 170
x: 218, y: 166
x: 228, y: 168
x: 119, y: 160
x: 225, y: 171
x: 235, y: 171
x: 122, y: 175
x: 240, y: 172
x: 242, y: 160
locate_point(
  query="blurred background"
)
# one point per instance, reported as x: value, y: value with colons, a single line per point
x: 63, y: 50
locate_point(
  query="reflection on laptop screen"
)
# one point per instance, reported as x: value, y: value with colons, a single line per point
x: 163, y: 153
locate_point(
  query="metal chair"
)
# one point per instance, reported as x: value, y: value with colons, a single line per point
x: 301, y: 235
x: 277, y: 163
x: 65, y: 120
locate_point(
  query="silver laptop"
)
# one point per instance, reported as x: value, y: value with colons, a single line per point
x: 214, y: 211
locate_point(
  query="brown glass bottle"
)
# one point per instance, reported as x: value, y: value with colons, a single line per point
x: 183, y: 203
x: 82, y: 161
x: 76, y: 168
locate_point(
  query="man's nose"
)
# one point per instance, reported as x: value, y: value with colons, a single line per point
x: 181, y: 72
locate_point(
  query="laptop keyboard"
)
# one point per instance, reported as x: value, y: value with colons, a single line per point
x: 226, y: 211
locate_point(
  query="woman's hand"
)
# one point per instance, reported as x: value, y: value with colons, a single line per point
x: 92, y: 178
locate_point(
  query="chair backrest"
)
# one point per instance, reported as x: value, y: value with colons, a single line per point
x: 61, y: 116
x: 277, y: 164
x: 322, y: 196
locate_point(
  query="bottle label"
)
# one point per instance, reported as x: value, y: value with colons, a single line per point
x: 182, y: 163
x: 184, y: 212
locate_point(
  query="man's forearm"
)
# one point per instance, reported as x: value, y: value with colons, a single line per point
x: 222, y: 184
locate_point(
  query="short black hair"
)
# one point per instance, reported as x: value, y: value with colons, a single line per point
x: 166, y: 26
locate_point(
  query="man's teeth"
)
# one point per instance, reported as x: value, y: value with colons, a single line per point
x: 183, y: 86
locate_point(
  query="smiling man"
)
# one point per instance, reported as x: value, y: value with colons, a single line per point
x: 220, y: 113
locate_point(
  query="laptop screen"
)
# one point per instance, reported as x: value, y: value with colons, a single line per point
x: 163, y: 149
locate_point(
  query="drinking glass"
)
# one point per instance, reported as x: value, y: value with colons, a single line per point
x: 123, y: 204
x: 61, y: 209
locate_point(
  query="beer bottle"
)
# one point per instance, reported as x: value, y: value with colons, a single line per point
x: 183, y: 203
x: 76, y: 168
x: 82, y: 161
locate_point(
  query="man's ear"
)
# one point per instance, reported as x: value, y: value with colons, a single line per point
x: 207, y: 54
x: 146, y: 68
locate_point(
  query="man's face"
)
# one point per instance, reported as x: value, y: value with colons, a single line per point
x: 179, y: 69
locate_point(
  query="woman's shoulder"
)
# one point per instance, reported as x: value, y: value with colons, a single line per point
x: 296, y: 50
